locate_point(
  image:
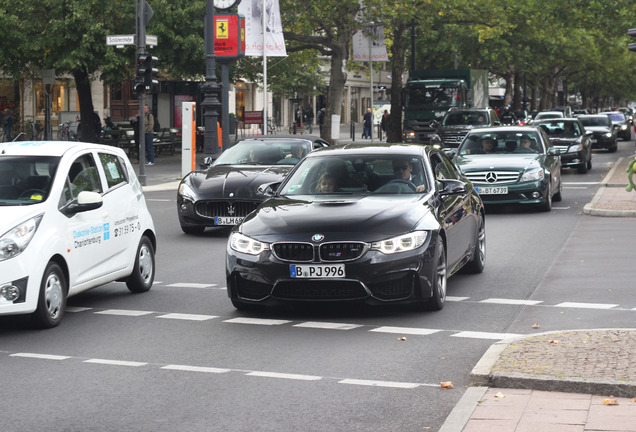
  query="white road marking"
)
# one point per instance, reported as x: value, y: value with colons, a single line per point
x: 586, y: 305
x: 159, y: 199
x: 581, y: 183
x: 456, y: 299
x: 561, y: 208
x: 484, y: 335
x: 384, y: 383
x: 123, y: 312
x: 191, y: 285
x: 511, y: 301
x: 327, y: 325
x: 196, y: 369
x: 77, y: 309
x: 404, y: 330
x: 256, y: 321
x: 40, y: 356
x: 189, y: 317
x: 575, y: 187
x: 115, y: 362
x: 285, y: 376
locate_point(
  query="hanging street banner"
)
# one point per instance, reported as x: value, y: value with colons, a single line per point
x: 229, y: 36
x: 252, y: 10
x: 361, y: 41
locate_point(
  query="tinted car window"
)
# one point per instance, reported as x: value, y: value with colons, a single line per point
x: 595, y: 121
x: 465, y: 118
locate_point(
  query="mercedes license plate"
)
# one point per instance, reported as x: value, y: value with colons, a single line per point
x: 221, y: 220
x: 492, y: 190
x: 317, y: 271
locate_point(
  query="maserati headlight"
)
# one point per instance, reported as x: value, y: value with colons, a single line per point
x: 14, y: 241
x: 186, y: 192
x: 401, y: 243
x: 533, y: 174
x: 244, y: 244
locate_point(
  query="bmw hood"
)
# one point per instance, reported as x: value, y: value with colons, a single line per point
x: 364, y: 218
x: 516, y: 162
x: 234, y: 181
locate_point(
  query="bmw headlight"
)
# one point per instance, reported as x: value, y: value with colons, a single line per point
x: 623, y: 127
x: 401, y: 243
x: 186, y: 192
x: 575, y: 148
x: 607, y: 134
x: 533, y: 174
x: 15, y: 241
x: 244, y: 244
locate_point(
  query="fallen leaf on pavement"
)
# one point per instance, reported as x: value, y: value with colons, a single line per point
x: 554, y: 341
x: 402, y: 338
x: 446, y: 384
x: 500, y: 395
x: 610, y: 401
x: 535, y: 325
x: 634, y: 400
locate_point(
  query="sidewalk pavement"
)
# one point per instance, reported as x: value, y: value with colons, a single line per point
x: 539, y: 383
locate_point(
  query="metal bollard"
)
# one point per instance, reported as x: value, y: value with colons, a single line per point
x: 352, y: 131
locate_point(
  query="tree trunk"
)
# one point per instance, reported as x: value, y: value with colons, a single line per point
x: 338, y: 77
x: 398, y: 56
x: 83, y: 85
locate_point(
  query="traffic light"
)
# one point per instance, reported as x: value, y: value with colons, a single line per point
x: 632, y: 33
x: 145, y: 73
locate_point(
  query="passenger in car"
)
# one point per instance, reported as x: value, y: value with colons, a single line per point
x: 488, y: 145
x: 525, y: 145
x: 326, y: 183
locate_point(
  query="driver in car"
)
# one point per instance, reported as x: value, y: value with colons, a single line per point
x: 403, y: 170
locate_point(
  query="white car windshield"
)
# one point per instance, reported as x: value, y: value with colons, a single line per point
x: 26, y: 179
x: 357, y: 175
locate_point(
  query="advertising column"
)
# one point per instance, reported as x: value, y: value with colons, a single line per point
x: 188, y: 137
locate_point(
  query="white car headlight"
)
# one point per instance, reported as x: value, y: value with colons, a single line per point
x: 244, y: 244
x: 401, y: 243
x: 607, y: 135
x: 186, y: 192
x: 15, y: 241
x: 533, y: 174
x: 575, y: 148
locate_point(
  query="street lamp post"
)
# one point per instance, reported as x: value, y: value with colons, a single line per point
x: 210, y: 88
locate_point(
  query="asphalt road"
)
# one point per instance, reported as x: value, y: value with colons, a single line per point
x: 181, y: 358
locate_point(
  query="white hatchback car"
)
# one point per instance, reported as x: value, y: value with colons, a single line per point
x: 72, y: 217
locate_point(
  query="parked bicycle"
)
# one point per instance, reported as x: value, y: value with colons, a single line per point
x: 66, y: 133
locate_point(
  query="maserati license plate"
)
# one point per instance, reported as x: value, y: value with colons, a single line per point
x: 221, y: 220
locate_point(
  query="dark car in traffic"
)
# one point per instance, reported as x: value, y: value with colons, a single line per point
x: 379, y: 224
x: 603, y: 132
x: 458, y: 122
x: 574, y: 143
x: 512, y: 165
x: 224, y: 193
x: 621, y: 124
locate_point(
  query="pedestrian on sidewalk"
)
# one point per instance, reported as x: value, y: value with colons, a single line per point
x: 149, y: 135
x: 7, y: 123
x: 309, y: 118
x: 367, y: 121
x: 321, y: 119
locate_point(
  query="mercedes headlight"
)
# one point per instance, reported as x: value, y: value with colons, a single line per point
x: 575, y: 148
x: 244, y: 244
x: 14, y: 241
x: 533, y: 174
x: 401, y: 243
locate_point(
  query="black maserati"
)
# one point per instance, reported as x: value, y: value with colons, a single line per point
x: 224, y: 193
x: 374, y: 223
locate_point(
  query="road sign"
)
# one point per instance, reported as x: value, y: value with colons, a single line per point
x: 120, y: 40
x: 151, y: 40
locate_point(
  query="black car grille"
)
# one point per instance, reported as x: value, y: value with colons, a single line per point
x: 394, y: 289
x: 453, y: 137
x: 294, y: 251
x: 210, y: 209
x: 319, y: 290
x: 327, y: 252
x: 248, y: 289
x: 341, y: 251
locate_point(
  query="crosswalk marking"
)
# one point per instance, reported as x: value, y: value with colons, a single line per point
x: 189, y: 317
x: 115, y: 362
x: 586, y: 305
x: 327, y: 325
x: 381, y: 383
x: 456, y: 299
x: 257, y: 321
x: 191, y: 285
x: 77, y: 309
x: 123, y: 312
x: 484, y: 335
x: 40, y: 356
x: 284, y: 376
x: 405, y: 330
x: 196, y: 369
x: 511, y: 301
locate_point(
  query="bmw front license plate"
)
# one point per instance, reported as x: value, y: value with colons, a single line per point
x: 492, y: 190
x: 317, y: 271
x: 220, y: 220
